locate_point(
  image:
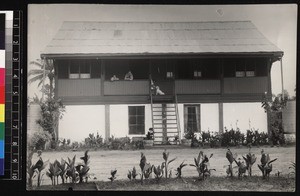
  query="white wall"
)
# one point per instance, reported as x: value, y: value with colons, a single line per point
x: 119, y: 120
x: 210, y: 117
x: 243, y: 112
x: 79, y: 121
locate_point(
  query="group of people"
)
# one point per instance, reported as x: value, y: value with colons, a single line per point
x: 128, y: 76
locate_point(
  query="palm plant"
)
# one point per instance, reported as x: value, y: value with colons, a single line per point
x: 45, y: 70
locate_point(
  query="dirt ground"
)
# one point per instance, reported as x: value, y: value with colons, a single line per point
x: 257, y: 184
x: 102, y: 162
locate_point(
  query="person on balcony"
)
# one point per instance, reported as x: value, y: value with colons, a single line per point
x: 128, y: 76
x: 114, y: 78
x: 158, y: 91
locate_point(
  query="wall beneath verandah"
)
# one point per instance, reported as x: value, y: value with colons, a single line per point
x: 79, y: 121
x: 240, y: 113
x: 119, y: 126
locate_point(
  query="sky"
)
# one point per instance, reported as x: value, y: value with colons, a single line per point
x: 278, y: 23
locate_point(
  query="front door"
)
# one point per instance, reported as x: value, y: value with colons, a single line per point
x: 192, y: 117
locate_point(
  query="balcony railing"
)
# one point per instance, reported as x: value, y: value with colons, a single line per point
x: 126, y: 87
x: 79, y: 87
x: 245, y: 85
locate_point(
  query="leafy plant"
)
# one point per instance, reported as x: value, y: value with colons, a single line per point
x: 242, y: 168
x: 30, y: 169
x: 83, y: 169
x: 158, y: 171
x: 230, y: 157
x: 179, y: 169
x: 265, y: 166
x: 250, y: 160
x: 274, y: 107
x: 201, y: 164
x: 113, y: 175
x: 71, y: 170
x: 293, y: 168
x: 51, y: 111
x: 132, y: 174
x: 39, y: 166
x: 166, y: 162
x: 53, y: 172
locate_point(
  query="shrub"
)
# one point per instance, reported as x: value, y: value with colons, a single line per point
x: 39, y: 139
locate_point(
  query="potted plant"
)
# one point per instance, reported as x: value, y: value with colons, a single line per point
x: 148, y: 140
x: 188, y: 135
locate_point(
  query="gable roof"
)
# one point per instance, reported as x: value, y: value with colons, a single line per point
x: 142, y: 38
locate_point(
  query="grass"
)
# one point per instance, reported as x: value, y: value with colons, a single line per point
x: 254, y: 183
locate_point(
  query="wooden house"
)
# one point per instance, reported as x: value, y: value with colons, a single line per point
x: 191, y: 62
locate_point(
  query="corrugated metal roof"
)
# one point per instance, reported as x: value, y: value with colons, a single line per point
x: 116, y: 38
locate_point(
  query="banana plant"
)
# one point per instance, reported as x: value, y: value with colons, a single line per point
x: 179, y: 169
x: 230, y: 157
x: 201, y: 164
x: 166, y: 162
x: 158, y: 171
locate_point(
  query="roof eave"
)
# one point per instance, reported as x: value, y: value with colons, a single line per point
x: 276, y: 55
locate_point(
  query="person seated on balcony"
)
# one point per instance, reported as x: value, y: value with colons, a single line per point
x: 114, y: 78
x: 158, y: 91
x: 128, y: 76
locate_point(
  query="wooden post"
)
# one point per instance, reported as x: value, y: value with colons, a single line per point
x: 107, y: 121
x: 221, y: 122
x: 269, y: 98
x: 282, y: 87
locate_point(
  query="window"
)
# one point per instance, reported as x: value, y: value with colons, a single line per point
x: 169, y: 74
x: 241, y: 68
x: 79, y: 68
x: 197, y: 74
x: 136, y: 115
x: 192, y: 117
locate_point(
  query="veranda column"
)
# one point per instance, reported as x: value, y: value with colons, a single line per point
x: 221, y: 122
x: 107, y: 121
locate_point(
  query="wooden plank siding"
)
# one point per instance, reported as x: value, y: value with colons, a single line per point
x: 197, y: 87
x: 135, y: 87
x: 249, y: 85
x: 78, y: 87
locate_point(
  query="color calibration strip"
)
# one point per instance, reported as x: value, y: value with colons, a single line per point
x: 2, y: 91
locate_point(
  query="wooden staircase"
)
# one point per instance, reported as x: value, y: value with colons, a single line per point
x: 165, y: 119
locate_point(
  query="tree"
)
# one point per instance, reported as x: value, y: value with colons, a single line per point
x: 45, y: 70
